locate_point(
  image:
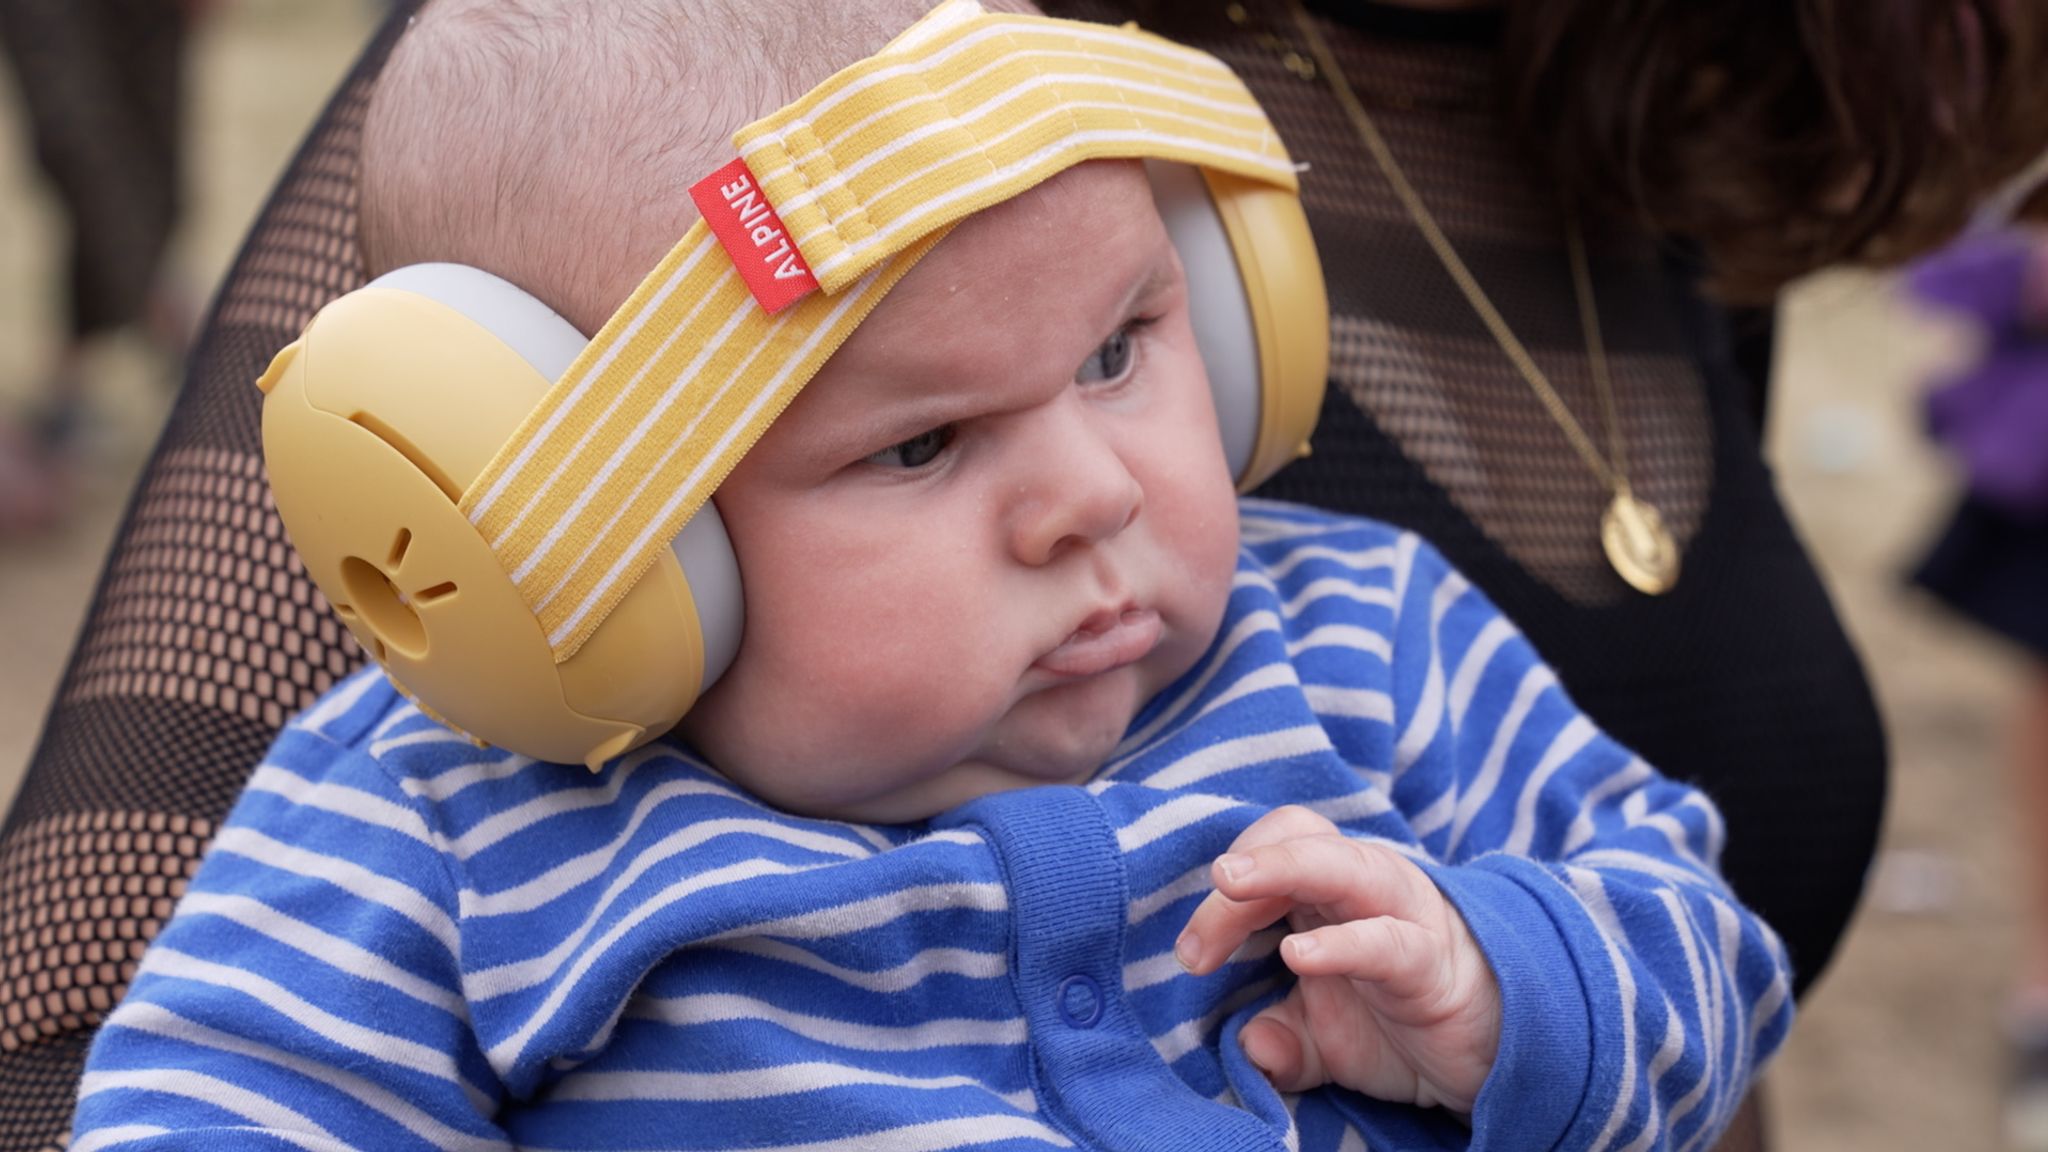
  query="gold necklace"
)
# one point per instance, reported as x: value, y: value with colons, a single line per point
x: 1640, y: 548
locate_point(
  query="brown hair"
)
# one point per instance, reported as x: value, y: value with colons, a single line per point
x: 1781, y: 135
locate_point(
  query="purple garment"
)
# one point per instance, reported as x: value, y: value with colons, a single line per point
x: 1994, y: 415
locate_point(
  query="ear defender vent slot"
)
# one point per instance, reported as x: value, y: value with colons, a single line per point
x: 410, y: 451
x: 398, y: 548
x: 439, y: 591
x: 391, y: 616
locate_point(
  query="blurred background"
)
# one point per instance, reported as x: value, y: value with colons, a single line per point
x: 1897, y: 1048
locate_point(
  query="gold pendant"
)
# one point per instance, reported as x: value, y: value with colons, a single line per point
x: 1638, y: 545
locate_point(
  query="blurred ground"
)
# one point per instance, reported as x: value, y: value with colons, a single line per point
x: 1896, y: 1049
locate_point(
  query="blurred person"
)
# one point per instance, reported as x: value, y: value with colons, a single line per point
x: 100, y: 82
x: 1991, y: 565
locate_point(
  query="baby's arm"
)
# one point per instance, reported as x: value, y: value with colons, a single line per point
x: 1635, y: 995
x: 307, y: 992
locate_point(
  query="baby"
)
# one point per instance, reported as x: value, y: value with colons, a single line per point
x: 1034, y: 731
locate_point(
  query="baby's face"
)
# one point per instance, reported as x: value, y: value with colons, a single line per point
x: 993, y: 526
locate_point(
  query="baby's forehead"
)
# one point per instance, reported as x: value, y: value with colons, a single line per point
x: 1059, y: 260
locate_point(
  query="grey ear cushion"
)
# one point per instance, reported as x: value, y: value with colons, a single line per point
x: 550, y: 343
x: 1217, y: 305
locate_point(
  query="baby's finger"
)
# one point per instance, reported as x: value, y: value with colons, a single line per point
x: 1278, y: 1041
x: 1403, y: 959
x: 1219, y: 927
x: 1344, y: 878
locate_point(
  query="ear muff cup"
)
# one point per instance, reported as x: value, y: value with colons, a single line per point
x: 374, y: 421
x: 1260, y: 316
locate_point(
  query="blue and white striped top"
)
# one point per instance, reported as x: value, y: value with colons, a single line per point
x: 401, y: 941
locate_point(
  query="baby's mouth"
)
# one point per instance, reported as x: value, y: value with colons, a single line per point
x: 1104, y: 641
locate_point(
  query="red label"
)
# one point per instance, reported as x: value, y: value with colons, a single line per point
x: 746, y: 224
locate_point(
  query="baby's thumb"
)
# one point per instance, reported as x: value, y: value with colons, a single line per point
x: 1279, y: 1043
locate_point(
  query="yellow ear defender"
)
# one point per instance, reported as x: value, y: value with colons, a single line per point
x: 386, y: 422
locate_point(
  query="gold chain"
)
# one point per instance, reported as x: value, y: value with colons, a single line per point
x: 1613, y: 469
x: 1640, y: 548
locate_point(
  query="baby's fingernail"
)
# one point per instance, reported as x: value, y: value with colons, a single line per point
x: 1303, y: 945
x: 1234, y: 867
x: 1187, y: 950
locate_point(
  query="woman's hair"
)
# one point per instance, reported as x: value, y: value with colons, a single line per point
x: 1781, y: 135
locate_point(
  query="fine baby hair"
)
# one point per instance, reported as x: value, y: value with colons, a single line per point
x: 515, y: 521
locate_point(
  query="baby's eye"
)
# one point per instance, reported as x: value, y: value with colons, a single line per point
x: 917, y: 451
x: 1110, y: 361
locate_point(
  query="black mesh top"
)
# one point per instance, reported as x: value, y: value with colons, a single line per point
x: 205, y: 635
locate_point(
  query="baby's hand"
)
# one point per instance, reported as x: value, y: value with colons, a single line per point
x: 1395, y: 999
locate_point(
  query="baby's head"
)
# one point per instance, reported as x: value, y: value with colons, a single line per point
x: 988, y: 531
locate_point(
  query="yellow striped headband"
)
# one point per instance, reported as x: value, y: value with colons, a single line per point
x: 578, y: 494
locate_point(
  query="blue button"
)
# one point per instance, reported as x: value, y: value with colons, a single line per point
x: 1080, y: 1001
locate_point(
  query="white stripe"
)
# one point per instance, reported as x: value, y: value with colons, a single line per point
x: 100, y: 1138
x: 341, y: 800
x: 1265, y: 678
x: 1535, y: 682
x: 322, y: 946
x: 1336, y: 588
x: 763, y: 1083
x: 517, y: 975
x: 1243, y: 752
x: 1437, y: 814
x: 1351, y: 703
x: 1569, y: 741
x: 1653, y: 1130
x: 1428, y: 716
x: 347, y: 875
x: 1357, y: 804
x: 566, y: 877
x: 1170, y: 817
x: 767, y: 391
x: 897, y: 978
x: 1195, y: 62
x: 1194, y: 880
x: 623, y: 394
x: 160, y: 1021
x: 825, y: 922
x: 436, y: 734
x: 572, y: 400
x: 1343, y: 636
x: 1631, y: 774
x: 1656, y: 867
x: 169, y: 963
x: 1165, y: 966
x: 274, y: 1118
x: 337, y: 702
x: 444, y: 786
x: 1189, y: 1035
x: 931, y: 1136
x: 616, y: 455
x: 1360, y: 560
x: 917, y: 222
x: 1059, y: 112
x: 1252, y: 625
x: 1586, y: 885
x: 726, y: 1007
x: 844, y: 919
x: 1473, y: 664
x: 1258, y: 134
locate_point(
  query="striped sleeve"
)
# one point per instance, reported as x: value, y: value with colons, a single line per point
x: 1591, y: 882
x: 307, y: 992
